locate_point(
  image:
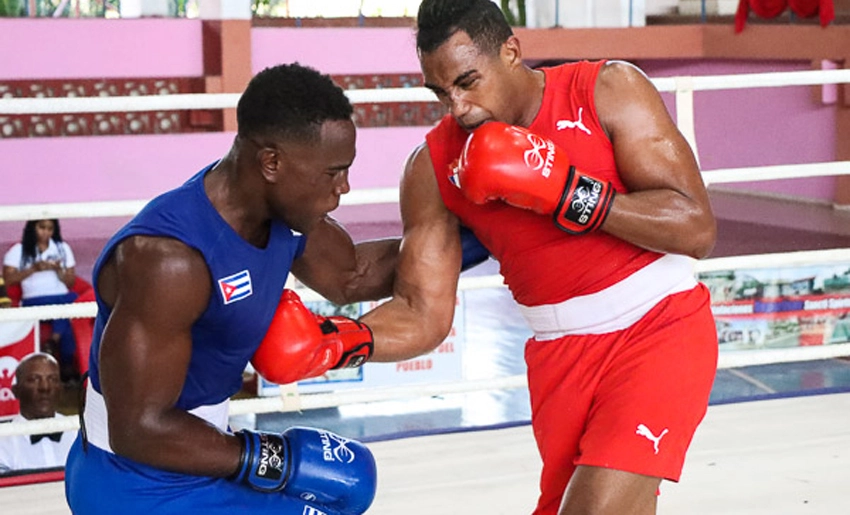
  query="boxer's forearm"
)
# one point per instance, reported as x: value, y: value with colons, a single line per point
x: 177, y: 441
x: 403, y: 329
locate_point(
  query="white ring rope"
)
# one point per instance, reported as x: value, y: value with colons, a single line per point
x: 758, y: 80
x: 192, y: 101
x: 22, y: 212
x: 308, y: 401
x: 184, y: 101
x: 683, y: 86
x: 685, y: 111
x: 98, y: 209
x: 748, y: 262
x: 118, y: 208
x: 775, y: 260
x: 767, y: 173
x: 49, y: 312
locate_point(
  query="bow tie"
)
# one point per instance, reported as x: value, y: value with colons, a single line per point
x: 34, y: 439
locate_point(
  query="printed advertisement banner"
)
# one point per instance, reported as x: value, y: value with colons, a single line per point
x: 780, y: 307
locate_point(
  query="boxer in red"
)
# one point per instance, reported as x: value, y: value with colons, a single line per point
x: 575, y: 178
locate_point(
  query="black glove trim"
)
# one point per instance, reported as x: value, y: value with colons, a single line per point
x: 578, y: 214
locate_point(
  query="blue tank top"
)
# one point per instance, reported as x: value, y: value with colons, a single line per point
x: 247, y: 284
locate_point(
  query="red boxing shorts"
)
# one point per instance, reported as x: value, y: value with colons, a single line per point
x: 628, y: 400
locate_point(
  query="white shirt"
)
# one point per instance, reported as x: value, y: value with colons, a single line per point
x: 45, y: 282
x: 18, y: 453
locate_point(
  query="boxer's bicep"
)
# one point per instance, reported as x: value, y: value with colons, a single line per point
x: 430, y: 254
x: 160, y: 289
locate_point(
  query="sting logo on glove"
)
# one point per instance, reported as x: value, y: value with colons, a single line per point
x: 270, y: 465
x: 584, y: 201
x: 533, y: 157
x: 339, y: 453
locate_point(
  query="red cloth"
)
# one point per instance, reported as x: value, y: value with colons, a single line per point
x: 768, y: 8
x: 14, y: 292
x: 809, y: 8
x: 32, y: 478
x: 83, y: 329
x: 17, y: 339
x: 773, y: 8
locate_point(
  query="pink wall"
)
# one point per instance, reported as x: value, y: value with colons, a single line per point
x: 337, y: 50
x: 139, y: 167
x: 734, y: 128
x: 104, y: 167
x: 759, y: 127
x: 45, y: 170
x: 44, y: 48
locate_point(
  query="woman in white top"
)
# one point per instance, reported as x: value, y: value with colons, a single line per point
x: 43, y: 265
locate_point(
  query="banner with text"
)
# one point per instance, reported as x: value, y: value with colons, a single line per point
x: 780, y: 307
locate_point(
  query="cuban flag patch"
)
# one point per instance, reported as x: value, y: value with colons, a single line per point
x: 235, y: 287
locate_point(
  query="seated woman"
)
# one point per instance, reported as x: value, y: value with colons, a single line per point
x: 43, y: 265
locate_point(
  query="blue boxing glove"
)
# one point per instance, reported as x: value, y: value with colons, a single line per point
x: 474, y: 253
x: 309, y: 464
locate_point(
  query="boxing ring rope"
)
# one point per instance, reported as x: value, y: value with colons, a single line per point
x: 22, y: 212
x: 748, y: 262
x: 289, y: 401
x: 683, y: 87
x: 192, y: 101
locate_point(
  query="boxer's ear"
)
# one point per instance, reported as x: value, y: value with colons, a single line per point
x: 270, y: 160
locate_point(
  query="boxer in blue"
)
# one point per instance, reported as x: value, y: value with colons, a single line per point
x: 186, y: 292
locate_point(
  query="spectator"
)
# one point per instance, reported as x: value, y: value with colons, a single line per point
x: 37, y: 387
x: 43, y: 265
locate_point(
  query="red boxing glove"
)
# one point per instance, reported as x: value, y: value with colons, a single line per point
x: 299, y: 344
x: 512, y: 164
x: 353, y: 337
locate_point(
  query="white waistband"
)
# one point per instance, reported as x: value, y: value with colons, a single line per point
x: 616, y: 307
x: 97, y: 426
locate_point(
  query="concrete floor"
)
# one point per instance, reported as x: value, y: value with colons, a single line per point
x: 774, y: 457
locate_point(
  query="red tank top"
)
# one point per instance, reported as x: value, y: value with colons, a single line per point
x: 540, y: 263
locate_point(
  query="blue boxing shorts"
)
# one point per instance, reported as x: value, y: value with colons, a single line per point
x: 98, y: 482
